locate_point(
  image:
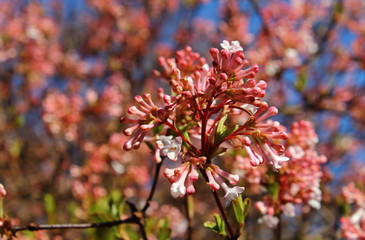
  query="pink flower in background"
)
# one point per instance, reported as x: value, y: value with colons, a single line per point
x: 147, y: 116
x: 62, y: 114
x: 353, y: 226
x: 300, y: 178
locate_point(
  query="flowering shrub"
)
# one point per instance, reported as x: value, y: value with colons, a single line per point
x: 197, y: 117
x: 204, y: 140
x: 194, y: 123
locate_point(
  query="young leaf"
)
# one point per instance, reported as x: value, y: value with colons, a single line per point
x: 1, y: 208
x: 238, y: 209
x: 158, y: 129
x: 301, y: 82
x: 246, y: 206
x: 218, y: 226
x: 274, y: 189
x: 221, y: 128
x: 49, y: 203
x: 164, y: 231
x: 50, y: 206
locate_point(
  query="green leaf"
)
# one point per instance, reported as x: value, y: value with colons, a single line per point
x: 16, y: 148
x: 158, y: 129
x: 221, y: 128
x: 301, y: 81
x: 1, y: 208
x: 113, y: 209
x: 133, y: 234
x: 50, y: 206
x: 116, y: 232
x: 218, y: 226
x: 338, y: 8
x: 222, y: 131
x: 246, y: 206
x: 186, y: 135
x: 274, y: 189
x: 164, y: 231
x: 49, y: 203
x: 238, y: 209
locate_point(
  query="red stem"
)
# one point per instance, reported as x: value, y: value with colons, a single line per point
x: 173, y: 128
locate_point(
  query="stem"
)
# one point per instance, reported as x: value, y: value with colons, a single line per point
x: 221, y: 209
x: 142, y: 230
x: 173, y: 128
x: 136, y: 218
x: 224, y: 214
x: 189, y: 218
x: 326, y: 35
x: 278, y: 229
x: 37, y: 227
x: 204, y: 127
x: 154, y: 185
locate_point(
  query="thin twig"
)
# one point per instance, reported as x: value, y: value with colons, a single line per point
x: 278, y: 229
x: 189, y: 233
x: 154, y: 185
x: 37, y: 227
x: 221, y: 209
x: 136, y: 218
x: 326, y: 35
x: 257, y: 9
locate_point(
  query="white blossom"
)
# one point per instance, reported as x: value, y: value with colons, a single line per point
x: 289, y: 209
x: 275, y: 159
x: 232, y: 47
x: 269, y: 221
x: 177, y: 189
x: 231, y: 194
x: 357, y: 216
x: 169, y: 147
x: 296, y: 151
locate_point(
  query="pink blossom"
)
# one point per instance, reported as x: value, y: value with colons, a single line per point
x: 2, y: 191
x: 148, y: 116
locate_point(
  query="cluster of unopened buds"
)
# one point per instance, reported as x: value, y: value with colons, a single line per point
x: 194, y: 122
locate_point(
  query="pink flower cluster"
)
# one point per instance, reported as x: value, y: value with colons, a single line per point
x: 31, y: 39
x: 62, y: 114
x: 299, y: 179
x: 353, y: 226
x: 106, y: 159
x: 194, y: 121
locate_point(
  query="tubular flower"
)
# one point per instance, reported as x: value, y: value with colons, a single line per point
x: 214, y: 174
x: 186, y: 60
x: 184, y: 174
x: 262, y: 140
x: 232, y: 63
x: 300, y: 178
x: 148, y: 116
